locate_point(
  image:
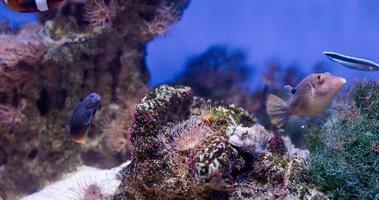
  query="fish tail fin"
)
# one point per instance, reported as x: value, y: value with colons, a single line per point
x: 277, y: 110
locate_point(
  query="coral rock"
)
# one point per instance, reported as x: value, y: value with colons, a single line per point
x: 253, y: 139
x: 227, y: 158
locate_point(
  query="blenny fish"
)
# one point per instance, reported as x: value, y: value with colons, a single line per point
x: 353, y: 62
x: 309, y: 98
x: 27, y: 6
x: 82, y: 117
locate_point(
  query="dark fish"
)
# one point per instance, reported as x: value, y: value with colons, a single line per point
x: 32, y: 5
x: 82, y: 117
x: 353, y: 62
x: 308, y: 99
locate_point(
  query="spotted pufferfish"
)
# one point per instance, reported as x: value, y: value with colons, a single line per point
x: 308, y: 99
x: 28, y: 6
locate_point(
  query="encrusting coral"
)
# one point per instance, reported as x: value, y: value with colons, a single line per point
x: 229, y: 157
x: 45, y: 70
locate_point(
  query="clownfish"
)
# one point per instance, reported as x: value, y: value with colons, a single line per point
x: 82, y: 117
x: 28, y: 6
x: 308, y: 99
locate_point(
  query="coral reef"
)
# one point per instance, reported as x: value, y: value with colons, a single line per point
x: 344, y: 150
x: 229, y: 156
x: 45, y: 70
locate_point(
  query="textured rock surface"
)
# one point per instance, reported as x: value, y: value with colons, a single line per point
x: 167, y: 165
x: 77, y: 185
x: 46, y: 69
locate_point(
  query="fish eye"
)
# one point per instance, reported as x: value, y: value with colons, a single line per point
x: 318, y: 78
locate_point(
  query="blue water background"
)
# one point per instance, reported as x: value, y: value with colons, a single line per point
x: 293, y: 32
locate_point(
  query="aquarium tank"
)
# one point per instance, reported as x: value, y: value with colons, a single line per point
x: 185, y: 99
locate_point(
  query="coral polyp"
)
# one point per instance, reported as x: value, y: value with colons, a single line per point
x: 26, y: 46
x: 189, y: 134
x: 93, y: 192
x: 166, y: 14
x: 100, y: 12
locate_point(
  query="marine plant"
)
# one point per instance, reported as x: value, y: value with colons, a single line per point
x: 344, y: 151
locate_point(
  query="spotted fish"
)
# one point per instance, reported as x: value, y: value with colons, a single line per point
x: 82, y: 117
x: 309, y: 98
x: 353, y: 62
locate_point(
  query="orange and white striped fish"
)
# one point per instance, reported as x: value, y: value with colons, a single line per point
x: 28, y: 6
x: 308, y: 99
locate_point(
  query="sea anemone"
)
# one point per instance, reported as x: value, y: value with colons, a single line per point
x: 25, y: 47
x: 93, y: 192
x: 165, y: 16
x: 188, y: 134
x: 99, y: 12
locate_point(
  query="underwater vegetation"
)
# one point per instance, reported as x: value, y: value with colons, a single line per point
x: 189, y: 148
x: 344, y: 151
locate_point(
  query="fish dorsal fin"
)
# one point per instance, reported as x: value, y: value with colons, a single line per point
x: 290, y: 89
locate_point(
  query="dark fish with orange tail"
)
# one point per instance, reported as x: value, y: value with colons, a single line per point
x: 28, y: 6
x: 82, y: 117
x: 308, y: 99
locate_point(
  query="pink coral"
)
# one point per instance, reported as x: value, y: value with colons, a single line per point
x: 25, y: 47
x: 165, y: 16
x: 189, y: 134
x: 99, y: 12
